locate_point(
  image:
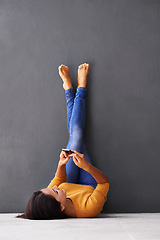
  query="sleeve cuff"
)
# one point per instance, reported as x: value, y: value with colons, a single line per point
x: 61, y: 179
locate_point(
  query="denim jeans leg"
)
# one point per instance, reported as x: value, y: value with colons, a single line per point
x: 74, y: 173
x: 76, y: 127
x: 69, y: 104
x: 86, y: 178
x: 72, y: 170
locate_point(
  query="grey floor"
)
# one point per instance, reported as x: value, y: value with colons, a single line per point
x: 104, y: 226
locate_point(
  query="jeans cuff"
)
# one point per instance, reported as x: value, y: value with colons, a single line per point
x: 82, y: 91
x: 69, y: 90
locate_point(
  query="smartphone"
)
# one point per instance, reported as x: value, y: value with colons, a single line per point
x: 68, y: 151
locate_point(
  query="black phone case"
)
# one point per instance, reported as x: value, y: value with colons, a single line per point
x: 68, y: 151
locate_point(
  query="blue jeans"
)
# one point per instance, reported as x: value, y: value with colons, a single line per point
x: 75, y: 124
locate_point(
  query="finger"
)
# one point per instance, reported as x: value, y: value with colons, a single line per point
x: 73, y: 155
x: 78, y: 158
x: 64, y: 153
x: 75, y: 160
x: 66, y: 160
x: 79, y: 154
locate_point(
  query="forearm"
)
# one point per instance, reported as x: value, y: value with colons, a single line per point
x: 61, y: 170
x: 99, y: 176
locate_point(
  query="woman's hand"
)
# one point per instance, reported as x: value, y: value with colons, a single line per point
x: 80, y: 160
x: 64, y: 158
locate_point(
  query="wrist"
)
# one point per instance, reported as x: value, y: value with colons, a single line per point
x: 60, y: 164
x: 87, y: 168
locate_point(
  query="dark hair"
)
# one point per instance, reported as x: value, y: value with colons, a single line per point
x: 42, y: 206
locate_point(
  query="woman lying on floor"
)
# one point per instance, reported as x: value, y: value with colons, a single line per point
x: 78, y: 190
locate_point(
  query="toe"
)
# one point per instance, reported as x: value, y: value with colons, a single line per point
x: 60, y: 66
x: 87, y: 66
x: 81, y: 66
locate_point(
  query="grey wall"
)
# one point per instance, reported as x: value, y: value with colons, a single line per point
x: 120, y: 40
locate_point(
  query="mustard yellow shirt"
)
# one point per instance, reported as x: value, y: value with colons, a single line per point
x: 87, y: 201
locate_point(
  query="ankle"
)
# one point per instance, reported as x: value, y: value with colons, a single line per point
x: 68, y: 88
x: 81, y: 85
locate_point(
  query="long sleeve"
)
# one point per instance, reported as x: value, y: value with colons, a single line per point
x: 96, y: 200
x: 56, y: 181
x: 87, y: 201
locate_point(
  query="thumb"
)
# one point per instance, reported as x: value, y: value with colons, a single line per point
x: 66, y: 159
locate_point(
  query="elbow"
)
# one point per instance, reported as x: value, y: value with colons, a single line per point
x: 107, y: 180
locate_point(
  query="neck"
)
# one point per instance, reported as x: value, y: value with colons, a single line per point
x: 69, y: 208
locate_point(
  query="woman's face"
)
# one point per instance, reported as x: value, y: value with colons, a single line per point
x: 57, y: 193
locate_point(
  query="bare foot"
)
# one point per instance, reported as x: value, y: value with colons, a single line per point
x: 82, y: 75
x: 65, y: 75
